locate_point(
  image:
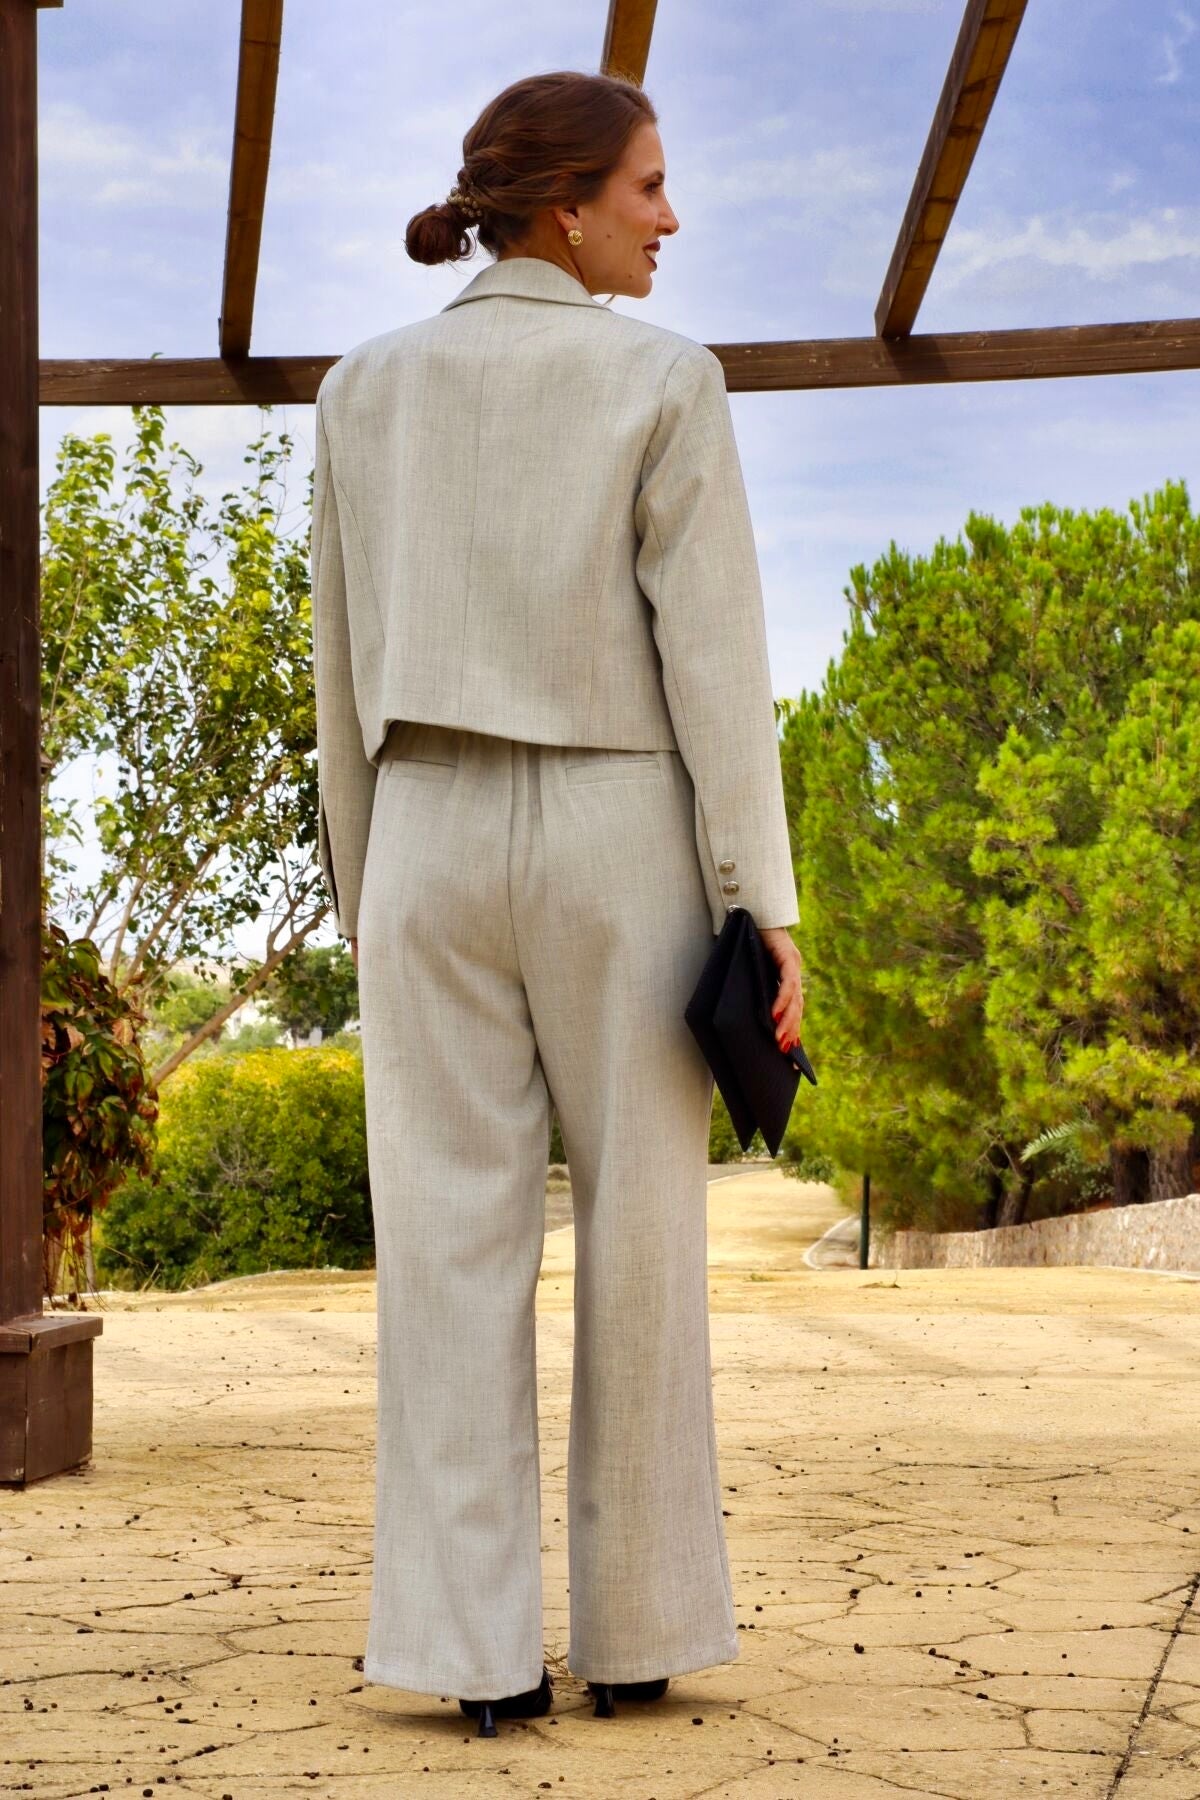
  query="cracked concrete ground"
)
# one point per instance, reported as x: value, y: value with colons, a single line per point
x: 963, y: 1514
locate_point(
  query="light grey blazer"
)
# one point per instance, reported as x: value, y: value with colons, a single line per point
x: 529, y: 518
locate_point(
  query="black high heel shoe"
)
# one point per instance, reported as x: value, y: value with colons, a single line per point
x: 607, y: 1691
x: 529, y: 1705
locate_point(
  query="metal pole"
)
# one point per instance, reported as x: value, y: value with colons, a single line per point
x: 864, y: 1228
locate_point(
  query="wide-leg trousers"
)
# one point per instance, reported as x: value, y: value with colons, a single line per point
x: 532, y: 922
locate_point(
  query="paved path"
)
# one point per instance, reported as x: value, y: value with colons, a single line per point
x: 963, y: 1510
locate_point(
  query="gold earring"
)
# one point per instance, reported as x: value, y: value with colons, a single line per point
x: 574, y: 236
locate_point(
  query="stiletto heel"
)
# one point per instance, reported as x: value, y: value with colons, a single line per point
x: 604, y: 1700
x: 528, y: 1705
x: 606, y: 1692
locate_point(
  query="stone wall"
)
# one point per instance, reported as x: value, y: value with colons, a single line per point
x: 1162, y: 1234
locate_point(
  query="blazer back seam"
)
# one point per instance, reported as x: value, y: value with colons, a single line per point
x: 483, y: 373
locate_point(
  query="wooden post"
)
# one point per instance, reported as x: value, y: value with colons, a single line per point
x: 45, y: 1361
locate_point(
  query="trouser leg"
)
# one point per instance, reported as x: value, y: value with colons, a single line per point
x: 612, y: 930
x: 458, y: 1131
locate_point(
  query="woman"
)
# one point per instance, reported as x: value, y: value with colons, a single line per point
x: 548, y: 761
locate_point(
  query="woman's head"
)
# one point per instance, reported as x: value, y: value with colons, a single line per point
x: 552, y: 154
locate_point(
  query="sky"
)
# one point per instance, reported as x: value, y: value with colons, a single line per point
x: 792, y: 133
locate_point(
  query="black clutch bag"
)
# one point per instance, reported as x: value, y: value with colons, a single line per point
x: 730, y: 1018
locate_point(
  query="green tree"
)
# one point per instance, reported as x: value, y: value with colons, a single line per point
x: 187, y: 1001
x: 178, y: 646
x: 881, y: 768
x: 993, y: 793
x: 1143, y: 917
x: 1097, y: 948
x: 314, y: 987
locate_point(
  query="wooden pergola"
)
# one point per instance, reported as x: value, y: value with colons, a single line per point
x: 46, y: 1358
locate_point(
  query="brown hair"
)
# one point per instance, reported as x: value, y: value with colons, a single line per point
x: 547, y: 140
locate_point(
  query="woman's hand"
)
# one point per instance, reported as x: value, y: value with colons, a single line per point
x: 788, y: 1005
x: 354, y: 953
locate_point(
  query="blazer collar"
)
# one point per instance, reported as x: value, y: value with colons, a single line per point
x: 530, y: 276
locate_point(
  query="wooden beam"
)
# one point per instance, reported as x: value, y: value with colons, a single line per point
x: 184, y: 381
x: 627, y: 34
x: 985, y: 40
x: 770, y: 365
x: 1033, y: 354
x: 258, y: 70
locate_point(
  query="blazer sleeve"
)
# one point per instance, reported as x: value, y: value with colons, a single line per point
x: 698, y: 566
x: 345, y: 775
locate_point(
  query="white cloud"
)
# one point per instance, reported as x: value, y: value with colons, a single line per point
x: 128, y: 167
x: 794, y: 189
x: 1171, y: 43
x: 70, y: 138
x: 1106, y: 246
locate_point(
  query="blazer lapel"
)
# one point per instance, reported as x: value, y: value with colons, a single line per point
x: 532, y: 277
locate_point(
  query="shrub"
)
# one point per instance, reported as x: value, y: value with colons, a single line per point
x: 814, y: 1166
x: 262, y: 1163
x: 723, y: 1142
x: 97, y: 1112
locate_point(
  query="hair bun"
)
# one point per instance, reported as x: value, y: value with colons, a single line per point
x: 438, y: 233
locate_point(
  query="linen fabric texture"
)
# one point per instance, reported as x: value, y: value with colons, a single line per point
x: 530, y: 519
x: 533, y: 918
